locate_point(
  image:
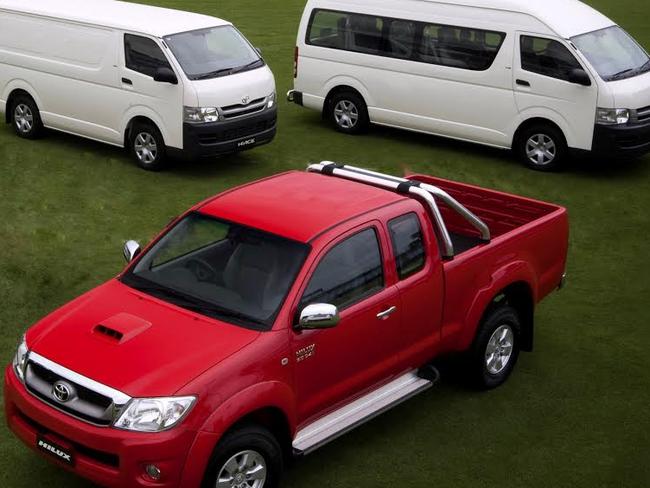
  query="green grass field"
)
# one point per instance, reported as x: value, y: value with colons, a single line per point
x: 575, y: 413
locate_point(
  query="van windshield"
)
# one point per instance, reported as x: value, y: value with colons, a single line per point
x: 613, y: 53
x: 213, y: 52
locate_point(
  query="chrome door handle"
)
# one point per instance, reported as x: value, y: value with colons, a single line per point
x: 387, y: 313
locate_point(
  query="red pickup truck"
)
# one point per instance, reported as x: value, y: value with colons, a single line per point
x: 272, y: 318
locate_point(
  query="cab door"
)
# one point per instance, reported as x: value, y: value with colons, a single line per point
x: 542, y: 87
x: 331, y: 365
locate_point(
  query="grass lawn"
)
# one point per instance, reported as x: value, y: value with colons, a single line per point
x: 575, y: 413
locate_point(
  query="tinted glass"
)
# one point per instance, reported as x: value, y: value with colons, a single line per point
x: 408, y: 245
x: 213, y: 52
x: 143, y: 55
x: 547, y: 57
x: 613, y: 53
x: 349, y: 272
x: 457, y: 47
x: 221, y: 269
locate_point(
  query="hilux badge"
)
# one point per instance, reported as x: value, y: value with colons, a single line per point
x: 61, y: 392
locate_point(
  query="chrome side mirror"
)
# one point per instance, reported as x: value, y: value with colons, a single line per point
x: 131, y: 250
x: 319, y: 316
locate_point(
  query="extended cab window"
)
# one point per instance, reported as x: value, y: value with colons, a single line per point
x: 547, y: 57
x: 349, y: 272
x: 408, y: 245
x: 143, y: 55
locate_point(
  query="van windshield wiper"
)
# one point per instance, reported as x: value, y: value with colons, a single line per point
x: 257, y: 62
x: 618, y: 75
x: 214, y: 74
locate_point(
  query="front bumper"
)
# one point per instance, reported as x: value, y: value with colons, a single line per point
x: 107, y: 456
x: 626, y: 141
x: 228, y: 136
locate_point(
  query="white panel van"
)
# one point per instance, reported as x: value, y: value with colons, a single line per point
x: 155, y: 80
x: 540, y: 76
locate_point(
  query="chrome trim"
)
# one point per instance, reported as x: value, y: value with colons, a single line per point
x: 290, y: 95
x: 319, y: 316
x: 119, y: 398
x: 387, y: 313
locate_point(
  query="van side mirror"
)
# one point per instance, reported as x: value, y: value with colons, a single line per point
x: 131, y: 250
x: 165, y: 75
x: 319, y: 316
x: 579, y: 77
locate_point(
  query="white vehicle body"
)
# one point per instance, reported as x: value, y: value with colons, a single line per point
x: 405, y: 86
x: 69, y: 57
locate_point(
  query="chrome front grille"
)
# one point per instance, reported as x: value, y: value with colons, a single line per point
x: 241, y: 110
x: 643, y: 114
x: 86, y: 399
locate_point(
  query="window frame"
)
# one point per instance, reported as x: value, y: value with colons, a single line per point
x: 327, y: 250
x: 394, y: 249
x: 162, y: 51
x: 523, y: 35
x: 418, y: 36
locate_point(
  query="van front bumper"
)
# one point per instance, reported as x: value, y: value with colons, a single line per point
x: 626, y: 141
x: 228, y: 136
x: 107, y: 456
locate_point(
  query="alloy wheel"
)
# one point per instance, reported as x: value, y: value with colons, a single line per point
x: 246, y: 469
x: 499, y: 349
x: 346, y: 114
x: 146, y: 148
x: 541, y: 149
x: 23, y: 118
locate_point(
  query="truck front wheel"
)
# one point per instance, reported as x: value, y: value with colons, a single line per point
x: 496, y: 347
x: 247, y: 457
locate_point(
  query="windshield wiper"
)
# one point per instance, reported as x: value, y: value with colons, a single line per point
x: 247, y: 66
x: 618, y: 75
x: 214, y: 74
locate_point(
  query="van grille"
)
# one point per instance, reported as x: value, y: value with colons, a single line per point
x: 643, y: 114
x: 235, y: 111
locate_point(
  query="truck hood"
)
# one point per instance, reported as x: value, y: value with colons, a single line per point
x: 231, y: 90
x: 633, y: 93
x: 133, y: 342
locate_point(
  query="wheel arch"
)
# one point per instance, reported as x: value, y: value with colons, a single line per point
x: 139, y: 119
x: 340, y: 88
x: 16, y: 89
x: 519, y: 296
x: 560, y: 125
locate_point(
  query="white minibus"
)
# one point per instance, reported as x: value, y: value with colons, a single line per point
x: 543, y: 77
x: 158, y: 81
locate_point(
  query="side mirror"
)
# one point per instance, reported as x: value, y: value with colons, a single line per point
x: 165, y: 75
x: 319, y: 316
x: 131, y: 250
x: 579, y: 77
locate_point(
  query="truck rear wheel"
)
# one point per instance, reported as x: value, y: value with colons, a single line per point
x: 248, y: 457
x: 496, y: 348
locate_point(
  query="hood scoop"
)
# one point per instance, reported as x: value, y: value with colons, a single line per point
x: 121, y: 328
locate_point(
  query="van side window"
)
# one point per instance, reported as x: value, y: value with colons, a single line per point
x: 547, y: 57
x: 349, y: 272
x: 340, y: 30
x: 143, y: 55
x: 408, y: 244
x: 401, y: 38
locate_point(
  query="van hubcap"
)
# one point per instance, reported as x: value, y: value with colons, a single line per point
x: 541, y: 149
x: 246, y: 469
x: 146, y: 148
x: 499, y: 349
x: 24, y: 118
x: 346, y: 114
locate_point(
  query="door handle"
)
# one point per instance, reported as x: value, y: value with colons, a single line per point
x: 126, y: 81
x: 387, y: 313
x: 522, y: 83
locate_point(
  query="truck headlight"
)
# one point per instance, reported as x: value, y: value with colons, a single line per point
x: 612, y: 116
x: 201, y: 114
x: 154, y: 414
x: 20, y: 360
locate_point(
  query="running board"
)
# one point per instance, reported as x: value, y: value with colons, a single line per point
x: 367, y: 407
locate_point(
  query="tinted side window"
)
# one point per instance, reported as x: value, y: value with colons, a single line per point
x: 401, y: 38
x: 340, y: 30
x: 349, y: 272
x: 408, y: 244
x: 547, y: 57
x: 143, y: 55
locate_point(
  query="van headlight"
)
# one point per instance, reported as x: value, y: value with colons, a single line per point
x: 612, y: 116
x: 271, y: 100
x: 20, y: 360
x: 201, y: 114
x: 154, y: 414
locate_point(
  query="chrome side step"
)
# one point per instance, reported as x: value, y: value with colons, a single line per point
x: 359, y: 411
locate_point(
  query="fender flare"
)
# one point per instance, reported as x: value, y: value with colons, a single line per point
x: 143, y: 111
x: 339, y: 81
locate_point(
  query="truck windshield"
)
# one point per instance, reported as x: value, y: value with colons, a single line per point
x: 213, y: 52
x: 223, y: 270
x: 613, y: 53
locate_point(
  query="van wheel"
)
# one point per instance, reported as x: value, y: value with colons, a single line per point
x: 542, y: 147
x: 147, y: 146
x: 349, y: 113
x: 249, y: 457
x: 496, y: 348
x: 25, y: 117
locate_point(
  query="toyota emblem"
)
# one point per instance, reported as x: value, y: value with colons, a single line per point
x: 245, y: 100
x: 61, y: 392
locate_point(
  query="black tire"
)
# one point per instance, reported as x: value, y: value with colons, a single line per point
x: 542, y: 147
x: 246, y: 438
x: 483, y: 375
x: 25, y: 117
x: 348, y: 113
x: 147, y: 146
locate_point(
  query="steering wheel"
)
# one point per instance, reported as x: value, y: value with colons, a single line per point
x: 201, y: 269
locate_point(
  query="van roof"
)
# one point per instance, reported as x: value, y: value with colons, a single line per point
x: 154, y: 21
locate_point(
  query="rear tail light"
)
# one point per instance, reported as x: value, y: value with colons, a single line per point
x: 295, y: 62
